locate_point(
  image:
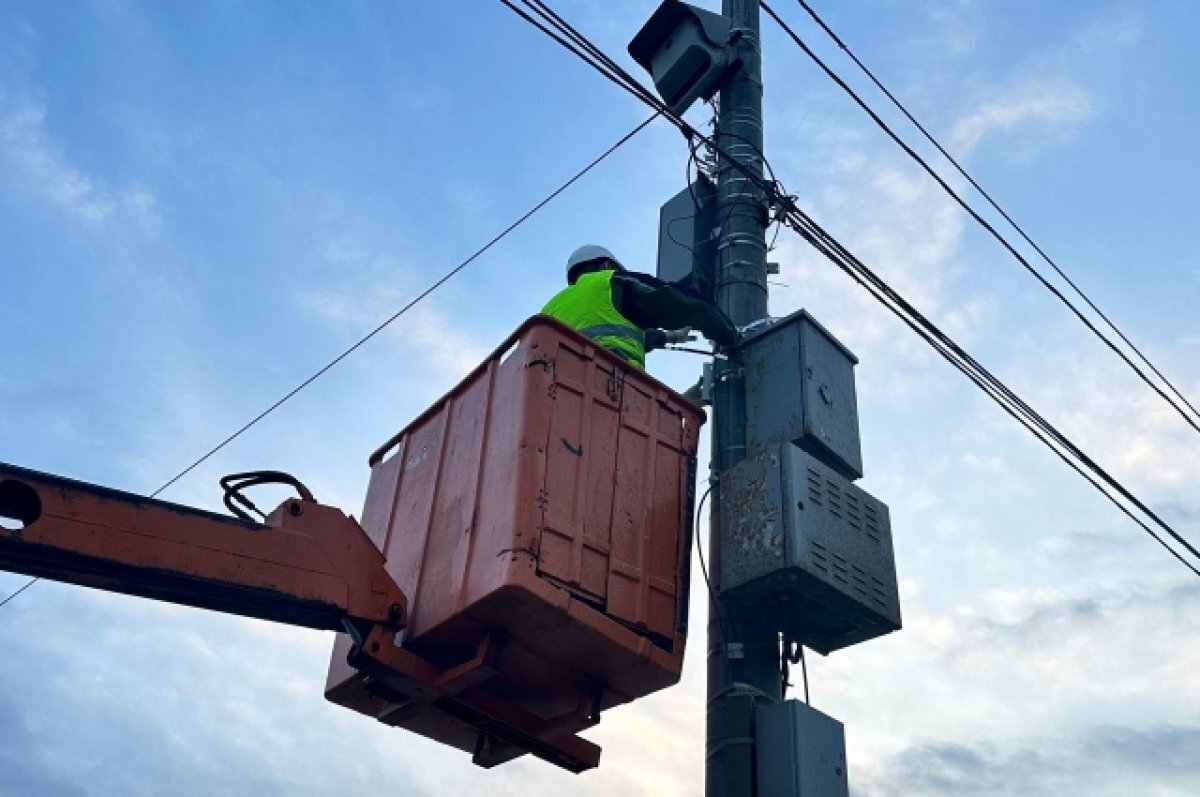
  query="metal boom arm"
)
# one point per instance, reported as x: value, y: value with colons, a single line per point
x: 308, y: 565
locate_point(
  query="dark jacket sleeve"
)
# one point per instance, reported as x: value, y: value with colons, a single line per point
x: 650, y: 302
x: 653, y: 338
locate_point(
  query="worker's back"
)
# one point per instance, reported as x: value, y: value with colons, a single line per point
x: 587, y: 306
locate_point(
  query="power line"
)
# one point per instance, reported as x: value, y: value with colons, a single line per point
x: 988, y: 226
x: 441, y: 281
x: 833, y: 250
x: 571, y: 39
x: 988, y: 197
x: 28, y: 584
x: 1008, y: 400
x: 957, y: 356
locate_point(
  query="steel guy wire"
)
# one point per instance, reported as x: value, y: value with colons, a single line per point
x: 840, y: 256
x: 974, y: 214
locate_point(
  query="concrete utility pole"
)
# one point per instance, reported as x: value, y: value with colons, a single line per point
x: 743, y: 658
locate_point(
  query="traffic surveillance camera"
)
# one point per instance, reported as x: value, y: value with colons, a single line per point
x: 684, y: 49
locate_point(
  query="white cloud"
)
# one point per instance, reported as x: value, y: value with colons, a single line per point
x: 1050, y: 107
x: 957, y: 26
x: 1028, y: 620
x: 1097, y: 401
x: 901, y: 225
x: 1117, y: 28
x: 367, y: 284
x: 469, y: 199
x: 43, y: 170
x: 1052, y: 92
x: 1042, y: 618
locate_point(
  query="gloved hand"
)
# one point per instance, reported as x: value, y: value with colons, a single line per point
x: 678, y: 336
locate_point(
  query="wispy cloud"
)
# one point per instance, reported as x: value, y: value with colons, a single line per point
x: 1106, y: 760
x: 897, y: 221
x: 1116, y: 28
x: 1095, y: 400
x: 957, y: 25
x: 40, y: 167
x: 1047, y: 648
x: 366, y: 284
x: 1053, y: 625
x: 1044, y: 108
x: 1053, y: 91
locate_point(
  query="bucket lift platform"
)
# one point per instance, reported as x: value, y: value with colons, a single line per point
x: 522, y: 564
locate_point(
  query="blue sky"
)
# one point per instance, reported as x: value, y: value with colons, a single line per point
x: 202, y: 203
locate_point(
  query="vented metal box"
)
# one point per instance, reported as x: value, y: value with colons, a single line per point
x: 543, y: 505
x: 803, y: 545
x: 800, y: 388
x: 801, y: 752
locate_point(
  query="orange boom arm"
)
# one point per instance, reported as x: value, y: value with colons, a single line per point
x: 308, y: 565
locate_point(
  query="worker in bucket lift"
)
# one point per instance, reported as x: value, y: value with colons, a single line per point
x: 629, y: 313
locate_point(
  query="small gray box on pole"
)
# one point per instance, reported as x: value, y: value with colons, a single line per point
x: 800, y: 388
x: 801, y: 752
x: 808, y: 549
x: 686, y: 245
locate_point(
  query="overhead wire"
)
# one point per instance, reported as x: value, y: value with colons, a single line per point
x: 388, y: 321
x: 413, y: 302
x: 994, y: 204
x: 974, y: 214
x: 833, y: 250
x: 1005, y: 392
x: 1008, y: 400
x: 556, y: 27
x: 27, y: 585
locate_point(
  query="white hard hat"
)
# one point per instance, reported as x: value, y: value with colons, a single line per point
x: 587, y: 254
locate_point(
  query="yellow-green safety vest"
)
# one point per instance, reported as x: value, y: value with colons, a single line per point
x: 587, y: 307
